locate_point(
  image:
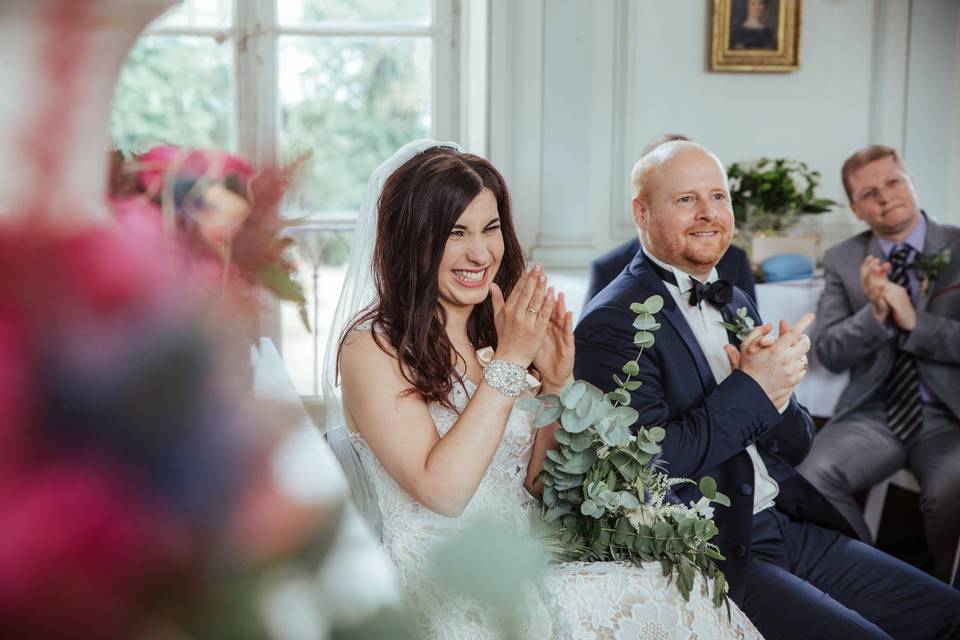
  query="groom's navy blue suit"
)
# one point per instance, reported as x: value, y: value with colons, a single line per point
x: 708, y: 427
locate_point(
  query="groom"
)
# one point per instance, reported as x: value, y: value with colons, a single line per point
x: 730, y: 413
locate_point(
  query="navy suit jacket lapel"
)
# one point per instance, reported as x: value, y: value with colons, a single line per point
x: 642, y: 271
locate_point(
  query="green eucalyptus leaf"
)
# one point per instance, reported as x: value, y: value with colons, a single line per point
x: 622, y: 530
x: 580, y: 462
x: 583, y: 407
x: 645, y: 322
x: 721, y: 499
x: 548, y: 416
x: 567, y: 482
x: 563, y: 437
x: 638, y: 307
x: 631, y: 368
x: 710, y: 530
x: 552, y: 514
x: 708, y: 487
x: 656, y: 434
x: 625, y: 466
x: 549, y: 496
x: 649, y: 447
x: 531, y: 405
x: 594, y: 489
x: 701, y: 527
x: 555, y: 456
x: 633, y: 385
x: 628, y: 500
x: 580, y: 441
x: 589, y: 508
x: 601, y: 409
x: 643, y: 339
x: 624, y: 415
x: 570, y: 397
x: 612, y: 433
x: 572, y: 422
x: 653, y: 304
x: 687, y: 528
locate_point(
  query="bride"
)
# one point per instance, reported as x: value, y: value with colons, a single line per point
x: 436, y: 273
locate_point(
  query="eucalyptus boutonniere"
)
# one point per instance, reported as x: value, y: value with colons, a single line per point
x: 929, y: 266
x: 739, y: 325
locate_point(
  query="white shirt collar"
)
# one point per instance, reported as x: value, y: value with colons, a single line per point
x: 683, y: 278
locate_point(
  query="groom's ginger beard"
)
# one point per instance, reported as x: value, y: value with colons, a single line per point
x: 684, y: 213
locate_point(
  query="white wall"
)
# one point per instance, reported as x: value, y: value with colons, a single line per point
x: 932, y: 106
x: 953, y: 203
x: 579, y: 86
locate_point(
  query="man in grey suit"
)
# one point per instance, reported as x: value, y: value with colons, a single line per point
x: 895, y: 325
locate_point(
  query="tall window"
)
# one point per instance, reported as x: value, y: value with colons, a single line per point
x: 345, y: 81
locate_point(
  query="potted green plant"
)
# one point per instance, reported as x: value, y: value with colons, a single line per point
x: 770, y: 194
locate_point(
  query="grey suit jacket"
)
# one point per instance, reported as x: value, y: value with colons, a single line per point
x: 848, y: 337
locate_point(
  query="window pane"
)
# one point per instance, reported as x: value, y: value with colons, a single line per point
x: 322, y: 260
x: 351, y: 102
x: 198, y: 13
x: 315, y: 11
x: 175, y: 89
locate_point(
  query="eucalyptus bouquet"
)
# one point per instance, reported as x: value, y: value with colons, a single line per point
x: 606, y: 491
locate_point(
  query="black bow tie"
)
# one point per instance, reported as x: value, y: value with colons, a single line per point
x: 719, y: 293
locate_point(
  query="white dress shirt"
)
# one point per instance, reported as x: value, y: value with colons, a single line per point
x: 706, y: 322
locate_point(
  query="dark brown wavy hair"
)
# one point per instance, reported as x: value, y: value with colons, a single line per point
x: 419, y: 204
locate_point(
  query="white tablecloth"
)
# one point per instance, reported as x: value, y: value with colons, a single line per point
x: 820, y: 389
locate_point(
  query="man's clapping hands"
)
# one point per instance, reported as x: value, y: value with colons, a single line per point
x: 778, y: 364
x: 886, y: 298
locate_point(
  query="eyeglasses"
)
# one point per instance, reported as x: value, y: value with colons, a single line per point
x: 874, y: 193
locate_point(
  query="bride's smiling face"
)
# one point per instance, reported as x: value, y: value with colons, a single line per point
x: 472, y: 254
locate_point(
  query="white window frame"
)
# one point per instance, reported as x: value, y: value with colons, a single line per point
x: 459, y: 82
x: 255, y: 33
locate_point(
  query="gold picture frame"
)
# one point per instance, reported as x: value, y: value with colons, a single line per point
x: 747, y: 41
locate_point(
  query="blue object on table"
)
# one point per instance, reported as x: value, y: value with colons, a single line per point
x: 786, y: 266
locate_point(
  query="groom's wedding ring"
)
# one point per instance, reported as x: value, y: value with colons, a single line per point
x: 531, y: 310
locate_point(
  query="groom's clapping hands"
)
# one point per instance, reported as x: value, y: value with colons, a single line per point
x: 777, y: 364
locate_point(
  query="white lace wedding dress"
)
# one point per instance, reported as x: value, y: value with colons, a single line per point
x: 576, y: 600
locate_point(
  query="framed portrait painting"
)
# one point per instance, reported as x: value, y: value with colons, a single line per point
x: 755, y: 35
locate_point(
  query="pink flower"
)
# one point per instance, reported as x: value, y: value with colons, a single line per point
x: 214, y: 164
x: 81, y: 552
x: 16, y: 371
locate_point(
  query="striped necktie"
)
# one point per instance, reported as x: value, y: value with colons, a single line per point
x: 902, y: 386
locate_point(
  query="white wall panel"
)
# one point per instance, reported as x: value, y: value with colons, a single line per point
x: 581, y: 91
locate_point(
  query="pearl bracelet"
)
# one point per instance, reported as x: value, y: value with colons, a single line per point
x: 508, y: 378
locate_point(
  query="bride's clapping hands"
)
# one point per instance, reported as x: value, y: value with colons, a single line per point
x: 554, y: 361
x: 523, y: 319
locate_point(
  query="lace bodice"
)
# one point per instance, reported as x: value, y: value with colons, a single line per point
x: 408, y: 525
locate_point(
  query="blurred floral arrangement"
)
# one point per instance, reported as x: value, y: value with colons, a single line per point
x: 769, y: 194
x: 223, y: 212
x: 133, y: 476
